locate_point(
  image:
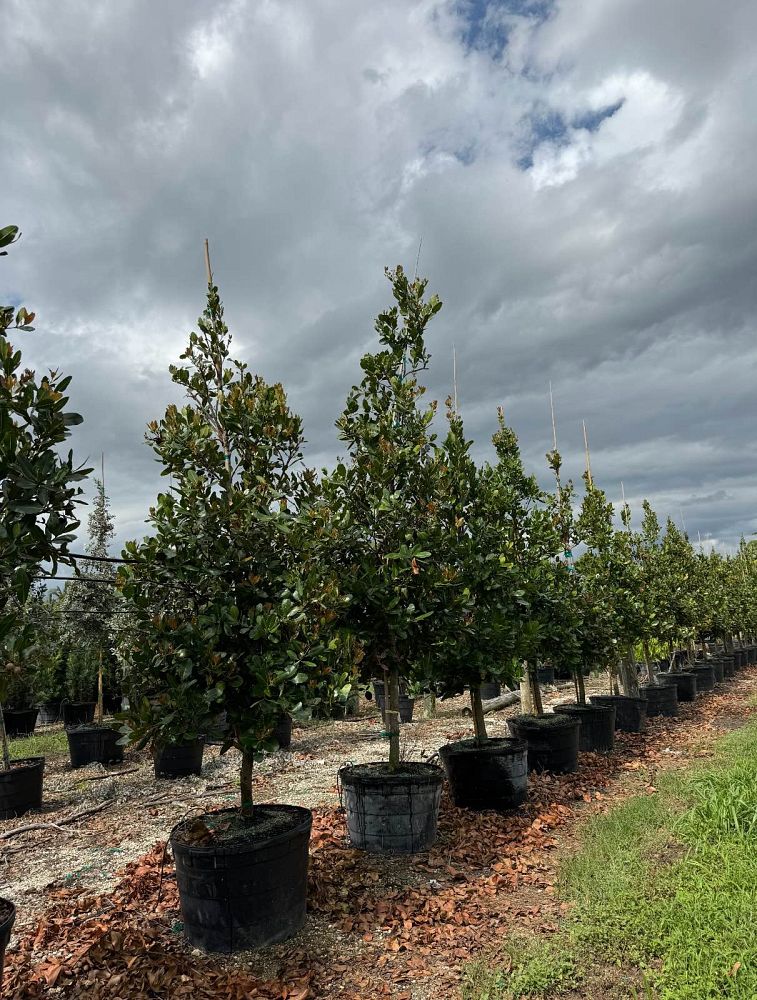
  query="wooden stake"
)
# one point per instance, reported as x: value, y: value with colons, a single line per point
x: 588, y: 459
x: 552, y: 410
x: 208, y: 271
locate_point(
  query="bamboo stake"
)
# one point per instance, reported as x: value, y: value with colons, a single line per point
x: 588, y: 459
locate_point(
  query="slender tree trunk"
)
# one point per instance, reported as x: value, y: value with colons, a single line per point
x: 526, y: 697
x: 580, y: 688
x: 392, y: 715
x: 429, y: 705
x: 691, y: 651
x: 535, y: 689
x: 245, y: 785
x: 651, y: 678
x: 4, y: 741
x: 100, y: 707
x: 479, y: 725
x: 629, y: 678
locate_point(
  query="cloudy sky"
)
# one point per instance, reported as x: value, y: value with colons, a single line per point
x: 582, y: 175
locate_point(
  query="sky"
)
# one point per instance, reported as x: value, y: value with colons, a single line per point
x: 577, y: 180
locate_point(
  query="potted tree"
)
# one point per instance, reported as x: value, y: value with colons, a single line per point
x: 477, y: 504
x: 231, y: 605
x: 37, y: 508
x: 579, y: 635
x: 382, y: 507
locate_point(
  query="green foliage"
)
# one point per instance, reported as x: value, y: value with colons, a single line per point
x: 81, y: 673
x: 231, y: 608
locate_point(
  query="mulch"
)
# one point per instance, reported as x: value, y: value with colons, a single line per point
x: 378, y: 927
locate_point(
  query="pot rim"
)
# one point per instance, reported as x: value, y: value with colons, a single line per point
x: 432, y: 774
x: 28, y: 764
x: 244, y: 846
x: 494, y: 746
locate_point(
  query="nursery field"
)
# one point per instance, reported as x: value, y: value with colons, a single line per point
x: 497, y: 908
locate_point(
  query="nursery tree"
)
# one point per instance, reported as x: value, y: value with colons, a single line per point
x: 231, y: 606
x: 39, y: 487
x: 387, y: 534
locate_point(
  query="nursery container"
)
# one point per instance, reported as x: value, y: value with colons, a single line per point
x: 491, y: 775
x: 391, y: 812
x: 178, y: 760
x: 717, y: 669
x: 686, y: 682
x: 21, y: 787
x: 662, y: 699
x: 490, y: 690
x: 597, y: 732
x: 112, y: 703
x: 552, y: 741
x: 78, y: 713
x: 545, y: 675
x: 407, y: 704
x: 249, y: 891
x: 630, y: 713
x: 705, y: 676
x: 20, y: 721
x: 94, y: 745
x: 283, y: 732
x: 728, y: 665
x: 7, y: 919
x: 49, y: 712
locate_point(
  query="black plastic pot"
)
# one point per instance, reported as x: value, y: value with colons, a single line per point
x: 751, y: 654
x: 740, y: 658
x: 728, y: 666
x: 489, y: 776
x: 718, y: 670
x: 7, y: 919
x: 630, y: 713
x: 686, y: 682
x: 391, y: 812
x: 407, y: 704
x: 490, y: 689
x: 662, y: 699
x: 49, y: 712
x: 597, y: 732
x: 283, y: 733
x: 20, y: 721
x: 552, y: 741
x: 248, y: 893
x: 178, y: 760
x: 21, y: 787
x: 94, y: 745
x: 545, y: 675
x: 705, y: 676
x: 78, y: 713
x: 112, y: 703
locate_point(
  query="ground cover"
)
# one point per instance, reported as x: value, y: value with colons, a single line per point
x: 98, y: 906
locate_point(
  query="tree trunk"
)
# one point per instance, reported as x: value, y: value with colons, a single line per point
x: 479, y: 726
x: 245, y: 785
x: 4, y: 741
x: 526, y: 698
x: 629, y: 679
x: 535, y: 689
x: 429, y: 705
x: 392, y: 716
x: 651, y: 678
x: 580, y: 688
x: 100, y: 707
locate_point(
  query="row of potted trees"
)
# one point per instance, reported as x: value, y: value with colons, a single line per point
x: 261, y: 584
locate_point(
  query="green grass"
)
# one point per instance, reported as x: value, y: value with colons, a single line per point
x: 664, y: 886
x: 39, y: 744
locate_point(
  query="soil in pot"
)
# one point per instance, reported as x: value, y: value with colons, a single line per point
x: 178, y: 760
x: 705, y: 676
x: 94, y: 745
x: 597, y: 733
x: 489, y: 775
x: 491, y: 689
x: 552, y: 741
x: 20, y: 721
x: 242, y: 883
x: 391, y: 812
x: 21, y: 787
x: 686, y: 682
x: 7, y: 919
x: 78, y: 713
x: 662, y: 699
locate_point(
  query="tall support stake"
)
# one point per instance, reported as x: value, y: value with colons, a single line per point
x: 588, y: 459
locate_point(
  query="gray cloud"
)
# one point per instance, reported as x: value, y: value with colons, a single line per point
x: 313, y: 143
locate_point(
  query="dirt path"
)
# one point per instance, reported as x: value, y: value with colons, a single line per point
x: 394, y: 927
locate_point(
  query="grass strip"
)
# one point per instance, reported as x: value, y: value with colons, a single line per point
x: 664, y: 886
